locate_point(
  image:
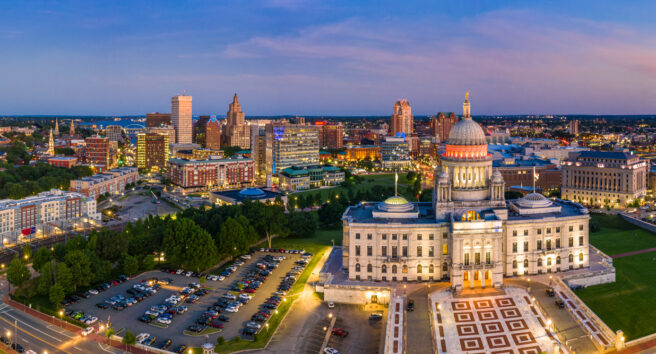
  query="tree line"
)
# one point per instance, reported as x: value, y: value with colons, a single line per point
x: 22, y: 181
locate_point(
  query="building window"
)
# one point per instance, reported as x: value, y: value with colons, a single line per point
x: 394, y: 237
x: 525, y: 246
x: 477, y: 258
x: 548, y: 245
x: 571, y: 228
x: 404, y: 270
x: 514, y: 232
x: 525, y: 265
x: 418, y: 237
x: 581, y: 227
x: 431, y: 251
x: 357, y: 267
x: 394, y: 269
x: 539, y: 245
x: 431, y: 269
x: 384, y: 237
x: 369, y: 268
x: 514, y: 247
x: 419, y: 251
x: 383, y: 269
x: 514, y: 264
x: 395, y: 253
x: 487, y: 257
x: 548, y: 262
x: 357, y: 236
x: 431, y: 237
x: 383, y: 251
x: 571, y: 241
x: 405, y: 237
x: 580, y: 240
x: 370, y: 251
x: 445, y: 267
x: 539, y: 262
x: 571, y: 258
x: 548, y: 230
x: 539, y: 231
x: 368, y: 236
x: 418, y: 268
x: 557, y: 243
x: 558, y: 229
x: 525, y: 232
x: 357, y: 250
x: 581, y: 257
x: 445, y: 249
x: 405, y: 251
x: 558, y: 260
x: 445, y: 235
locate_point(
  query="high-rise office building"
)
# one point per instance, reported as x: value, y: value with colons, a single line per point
x: 395, y: 152
x: 291, y: 145
x: 442, y: 123
x: 97, y: 152
x: 331, y: 136
x: 574, y: 127
x: 164, y: 129
x: 207, y: 132
x: 402, y: 119
x: 236, y: 132
x: 181, y: 118
x: 259, y: 150
x: 157, y: 119
x: 114, y: 132
x: 152, y: 150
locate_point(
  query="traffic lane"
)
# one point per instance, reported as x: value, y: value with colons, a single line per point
x: 364, y: 335
x: 270, y: 285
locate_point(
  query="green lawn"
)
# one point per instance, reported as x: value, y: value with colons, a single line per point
x: 618, y: 236
x: 369, y: 181
x: 628, y: 304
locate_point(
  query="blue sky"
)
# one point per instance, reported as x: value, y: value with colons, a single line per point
x: 317, y: 57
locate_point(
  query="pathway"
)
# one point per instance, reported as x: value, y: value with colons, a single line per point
x: 646, y: 250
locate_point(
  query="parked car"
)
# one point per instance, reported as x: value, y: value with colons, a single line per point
x: 550, y: 291
x: 331, y: 305
x: 376, y: 316
x: 560, y: 303
x: 330, y: 350
x: 87, y: 331
x: 195, y: 328
x: 411, y: 305
x: 180, y: 349
x: 341, y: 332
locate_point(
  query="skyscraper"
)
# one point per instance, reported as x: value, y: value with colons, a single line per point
x: 441, y: 125
x: 402, y: 119
x: 574, y: 127
x: 181, y: 118
x: 152, y: 150
x: 237, y: 132
x: 207, y: 132
x: 331, y: 136
x: 157, y: 119
x: 114, y: 132
x: 291, y: 145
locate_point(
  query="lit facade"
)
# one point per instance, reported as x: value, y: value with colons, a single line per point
x: 114, y: 132
x: 201, y: 174
x: 237, y: 132
x: 181, y: 107
x: 152, y: 151
x: 604, y: 178
x: 112, y: 182
x: 291, y: 145
x: 402, y: 119
x: 362, y: 152
x: 469, y: 234
x: 441, y: 125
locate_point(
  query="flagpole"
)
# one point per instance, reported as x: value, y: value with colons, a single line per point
x: 533, y: 179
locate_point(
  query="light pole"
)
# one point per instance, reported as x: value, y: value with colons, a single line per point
x: 61, y: 314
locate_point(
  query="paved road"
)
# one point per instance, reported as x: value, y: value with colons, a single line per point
x: 418, y: 331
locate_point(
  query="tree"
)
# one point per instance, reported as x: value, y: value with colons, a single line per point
x: 268, y: 220
x: 27, y: 251
x: 109, y: 333
x: 110, y: 244
x: 188, y: 245
x: 302, y: 224
x: 42, y: 256
x: 80, y: 266
x: 129, y: 264
x: 330, y: 214
x: 17, y: 273
x: 220, y: 340
x: 129, y: 339
x: 56, y: 294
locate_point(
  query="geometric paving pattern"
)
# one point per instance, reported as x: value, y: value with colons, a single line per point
x: 491, y: 325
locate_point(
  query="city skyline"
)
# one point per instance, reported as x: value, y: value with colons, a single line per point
x: 333, y: 59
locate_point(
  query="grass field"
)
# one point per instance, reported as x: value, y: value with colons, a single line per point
x: 628, y: 304
x: 369, y: 181
x: 618, y: 236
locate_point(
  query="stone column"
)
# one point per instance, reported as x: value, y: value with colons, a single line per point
x: 483, y: 273
x: 471, y: 279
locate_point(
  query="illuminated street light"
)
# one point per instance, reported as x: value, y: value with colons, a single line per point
x: 330, y: 315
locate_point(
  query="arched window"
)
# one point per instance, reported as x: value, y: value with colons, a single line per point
x: 445, y: 267
x: 548, y: 262
x: 357, y: 267
x: 571, y: 258
x: 384, y: 268
x: 369, y: 268
x: 431, y: 269
x: 514, y: 264
x: 581, y: 257
x: 405, y: 269
x: 525, y: 263
x: 418, y: 268
x: 539, y: 262
x: 558, y: 260
x: 394, y: 269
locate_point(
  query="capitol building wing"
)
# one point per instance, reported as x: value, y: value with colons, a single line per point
x: 469, y: 234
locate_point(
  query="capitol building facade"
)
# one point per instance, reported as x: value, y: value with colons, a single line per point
x: 469, y: 234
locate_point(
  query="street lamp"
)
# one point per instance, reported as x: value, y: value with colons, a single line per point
x: 330, y: 315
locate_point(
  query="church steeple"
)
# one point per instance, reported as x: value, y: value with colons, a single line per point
x: 56, y: 127
x: 72, y: 130
x: 51, y: 145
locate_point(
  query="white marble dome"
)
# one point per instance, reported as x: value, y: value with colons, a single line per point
x: 467, y: 132
x: 534, y: 200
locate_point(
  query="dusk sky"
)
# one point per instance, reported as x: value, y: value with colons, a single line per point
x: 313, y: 57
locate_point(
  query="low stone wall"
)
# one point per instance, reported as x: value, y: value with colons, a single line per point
x: 590, y: 279
x: 637, y: 222
x: 355, y: 294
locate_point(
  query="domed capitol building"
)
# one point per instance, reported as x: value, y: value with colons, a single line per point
x: 469, y: 234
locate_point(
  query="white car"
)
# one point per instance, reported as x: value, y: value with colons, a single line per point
x: 246, y: 256
x: 179, y: 271
x: 245, y: 296
x: 330, y: 350
x: 254, y: 325
x: 189, y: 274
x: 142, y: 336
x: 164, y: 320
x: 232, y: 309
x: 87, y: 331
x: 230, y: 296
x: 331, y: 305
x: 221, y: 278
x: 93, y: 291
x: 91, y: 320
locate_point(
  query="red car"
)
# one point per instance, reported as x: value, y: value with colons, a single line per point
x: 216, y: 324
x: 248, y: 290
x: 340, y: 332
x: 263, y: 314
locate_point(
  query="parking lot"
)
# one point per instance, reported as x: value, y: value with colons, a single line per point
x: 127, y: 319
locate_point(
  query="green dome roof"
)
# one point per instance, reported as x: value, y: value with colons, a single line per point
x: 396, y: 200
